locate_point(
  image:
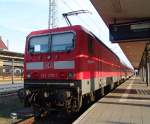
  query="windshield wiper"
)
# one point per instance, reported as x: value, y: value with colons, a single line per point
x: 68, y: 49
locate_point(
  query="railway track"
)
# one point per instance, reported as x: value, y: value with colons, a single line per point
x: 54, y: 117
x: 9, y: 89
x: 7, y: 94
x: 29, y: 120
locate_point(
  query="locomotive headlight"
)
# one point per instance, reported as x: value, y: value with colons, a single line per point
x: 28, y: 92
x: 46, y: 94
x: 70, y: 75
x: 28, y: 76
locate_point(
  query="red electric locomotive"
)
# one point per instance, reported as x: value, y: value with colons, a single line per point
x: 64, y: 66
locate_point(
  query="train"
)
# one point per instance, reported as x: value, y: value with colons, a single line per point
x: 66, y: 67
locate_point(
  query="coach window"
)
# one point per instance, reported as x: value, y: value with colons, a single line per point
x: 90, y: 45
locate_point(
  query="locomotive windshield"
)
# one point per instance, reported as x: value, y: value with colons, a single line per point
x: 39, y: 44
x: 62, y: 42
x: 55, y: 43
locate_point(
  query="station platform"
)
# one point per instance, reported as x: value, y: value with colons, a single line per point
x: 129, y: 103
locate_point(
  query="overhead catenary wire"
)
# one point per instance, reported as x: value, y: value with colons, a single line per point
x: 78, y: 16
x: 75, y: 13
x: 98, y: 27
x: 82, y: 20
x: 87, y: 24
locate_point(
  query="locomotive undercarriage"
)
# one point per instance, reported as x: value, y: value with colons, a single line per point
x: 68, y: 96
x: 46, y: 97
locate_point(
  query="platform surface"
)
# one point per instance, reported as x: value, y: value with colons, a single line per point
x: 129, y: 103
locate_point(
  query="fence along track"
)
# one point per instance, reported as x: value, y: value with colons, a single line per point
x: 10, y: 87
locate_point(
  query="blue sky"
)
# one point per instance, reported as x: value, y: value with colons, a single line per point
x: 20, y: 17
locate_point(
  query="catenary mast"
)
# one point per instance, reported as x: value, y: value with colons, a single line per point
x: 52, y: 14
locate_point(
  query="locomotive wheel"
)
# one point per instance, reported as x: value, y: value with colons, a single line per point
x: 80, y: 102
x: 39, y: 113
x: 98, y: 94
x: 92, y: 97
x: 85, y: 101
x: 118, y: 83
x: 26, y: 103
x: 112, y: 86
x: 102, y: 91
x: 77, y: 105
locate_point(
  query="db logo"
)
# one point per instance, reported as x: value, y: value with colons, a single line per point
x: 48, y: 65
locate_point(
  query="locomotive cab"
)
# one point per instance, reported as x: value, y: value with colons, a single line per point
x: 48, y: 54
x: 50, y: 71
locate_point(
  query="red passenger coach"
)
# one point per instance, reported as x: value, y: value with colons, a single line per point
x: 66, y: 66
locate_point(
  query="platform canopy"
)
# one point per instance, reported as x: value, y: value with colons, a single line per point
x: 124, y: 11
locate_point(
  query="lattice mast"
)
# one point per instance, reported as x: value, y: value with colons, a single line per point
x: 52, y: 14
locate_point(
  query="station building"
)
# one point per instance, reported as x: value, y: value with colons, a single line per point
x: 11, y: 64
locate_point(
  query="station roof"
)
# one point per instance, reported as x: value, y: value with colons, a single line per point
x: 118, y: 11
x: 9, y: 55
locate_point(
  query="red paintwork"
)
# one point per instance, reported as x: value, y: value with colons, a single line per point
x: 103, y: 62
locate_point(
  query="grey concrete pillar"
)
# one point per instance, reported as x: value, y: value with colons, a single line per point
x: 12, y: 75
x: 140, y: 73
x: 148, y: 67
x: 144, y: 75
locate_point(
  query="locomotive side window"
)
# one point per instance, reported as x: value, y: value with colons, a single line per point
x: 39, y: 44
x: 90, y: 45
x: 62, y: 42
